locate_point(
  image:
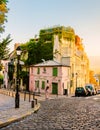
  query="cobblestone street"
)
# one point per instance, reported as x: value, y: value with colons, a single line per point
x: 69, y: 113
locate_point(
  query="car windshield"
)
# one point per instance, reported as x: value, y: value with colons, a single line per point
x: 89, y: 87
x: 80, y: 88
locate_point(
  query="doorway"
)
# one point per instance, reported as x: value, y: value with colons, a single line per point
x: 54, y: 88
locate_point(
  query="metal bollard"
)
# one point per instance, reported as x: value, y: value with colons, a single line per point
x: 29, y: 96
x: 24, y: 96
x: 32, y: 103
x: 12, y: 94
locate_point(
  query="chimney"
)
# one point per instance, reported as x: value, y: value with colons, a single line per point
x: 16, y: 45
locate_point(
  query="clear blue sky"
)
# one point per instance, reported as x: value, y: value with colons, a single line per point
x: 27, y: 17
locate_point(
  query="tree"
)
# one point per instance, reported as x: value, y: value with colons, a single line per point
x: 4, y: 50
x: 32, y: 52
x: 3, y: 18
x: 92, y: 79
x: 3, y: 44
x: 42, y: 47
x: 3, y: 11
x: 37, y: 50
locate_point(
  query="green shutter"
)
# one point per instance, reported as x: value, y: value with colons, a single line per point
x: 43, y: 84
x: 54, y: 88
x: 37, y: 84
x: 55, y: 71
x: 38, y: 70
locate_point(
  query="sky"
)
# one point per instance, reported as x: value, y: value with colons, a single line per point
x: 27, y: 17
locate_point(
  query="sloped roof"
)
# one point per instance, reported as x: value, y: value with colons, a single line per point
x: 49, y: 63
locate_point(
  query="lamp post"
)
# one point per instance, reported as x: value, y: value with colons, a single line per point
x: 17, y: 96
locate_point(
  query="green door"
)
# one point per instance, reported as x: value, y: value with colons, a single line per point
x: 54, y: 88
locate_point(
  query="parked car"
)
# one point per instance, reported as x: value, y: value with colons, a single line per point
x: 90, y: 89
x: 80, y: 91
x: 98, y: 91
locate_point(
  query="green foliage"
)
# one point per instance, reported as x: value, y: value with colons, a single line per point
x: 24, y: 55
x: 23, y: 74
x: 43, y: 48
x: 5, y: 1
x: 3, y: 11
x: 1, y: 79
x: 47, y: 40
x: 4, y: 50
x: 32, y: 52
x: 38, y: 50
x: 47, y: 51
x: 61, y: 31
x: 1, y: 66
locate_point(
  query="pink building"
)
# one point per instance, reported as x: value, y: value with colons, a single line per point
x: 51, y: 73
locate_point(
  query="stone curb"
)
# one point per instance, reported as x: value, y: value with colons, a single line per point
x: 12, y: 120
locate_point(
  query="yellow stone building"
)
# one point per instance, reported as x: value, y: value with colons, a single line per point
x: 71, y: 52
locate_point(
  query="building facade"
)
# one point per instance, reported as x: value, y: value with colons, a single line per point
x: 72, y: 53
x: 51, y: 73
x: 68, y: 49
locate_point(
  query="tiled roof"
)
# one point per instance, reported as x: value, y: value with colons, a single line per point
x: 49, y: 63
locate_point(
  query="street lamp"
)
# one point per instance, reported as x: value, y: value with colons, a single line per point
x: 17, y: 96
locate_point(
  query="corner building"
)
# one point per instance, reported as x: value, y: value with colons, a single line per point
x: 69, y: 50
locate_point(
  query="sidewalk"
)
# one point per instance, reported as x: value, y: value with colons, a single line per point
x: 10, y: 114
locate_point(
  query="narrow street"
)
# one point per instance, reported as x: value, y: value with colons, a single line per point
x: 69, y: 113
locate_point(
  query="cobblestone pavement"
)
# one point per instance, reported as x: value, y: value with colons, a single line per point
x: 73, y: 113
x: 8, y: 112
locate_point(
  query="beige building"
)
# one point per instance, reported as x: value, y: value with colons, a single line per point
x: 72, y: 53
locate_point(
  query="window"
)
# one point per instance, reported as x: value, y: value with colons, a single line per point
x: 37, y: 84
x: 55, y: 71
x: 43, y: 84
x: 38, y: 70
x: 44, y: 70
